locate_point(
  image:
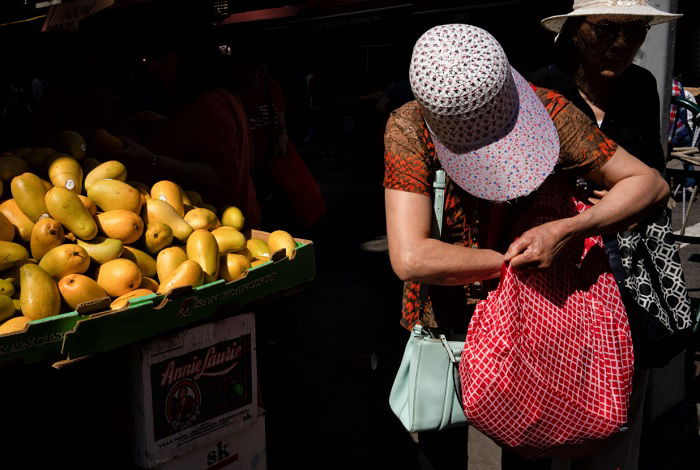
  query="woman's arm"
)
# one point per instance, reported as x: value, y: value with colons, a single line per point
x: 634, y: 190
x: 415, y: 256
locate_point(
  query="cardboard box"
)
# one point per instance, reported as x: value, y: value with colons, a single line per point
x: 193, y: 388
x: 42, y: 340
x: 244, y: 450
x: 183, y: 307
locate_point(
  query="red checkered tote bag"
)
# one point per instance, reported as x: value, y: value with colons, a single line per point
x: 547, y: 365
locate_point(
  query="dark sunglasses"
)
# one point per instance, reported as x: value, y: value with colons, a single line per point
x: 607, y: 31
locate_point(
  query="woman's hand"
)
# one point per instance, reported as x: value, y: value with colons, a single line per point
x: 600, y: 194
x: 537, y: 248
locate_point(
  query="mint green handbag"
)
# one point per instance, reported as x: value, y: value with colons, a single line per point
x: 426, y: 394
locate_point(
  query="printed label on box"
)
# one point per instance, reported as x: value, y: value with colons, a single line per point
x: 194, y: 387
x: 201, y: 385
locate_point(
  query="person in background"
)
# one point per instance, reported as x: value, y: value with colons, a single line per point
x: 594, y: 49
x: 491, y: 152
x: 184, y: 124
x: 264, y: 104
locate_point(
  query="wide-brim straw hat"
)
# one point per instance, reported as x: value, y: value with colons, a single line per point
x: 492, y: 134
x: 610, y: 7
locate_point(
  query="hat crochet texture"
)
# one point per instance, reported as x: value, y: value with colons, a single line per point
x: 492, y: 134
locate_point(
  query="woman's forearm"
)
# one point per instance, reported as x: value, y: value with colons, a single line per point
x: 626, y: 203
x: 439, y: 263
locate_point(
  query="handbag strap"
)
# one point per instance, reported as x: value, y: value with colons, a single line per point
x: 439, y: 186
x: 455, y: 369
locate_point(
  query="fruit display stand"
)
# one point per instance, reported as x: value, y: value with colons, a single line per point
x: 42, y: 340
x: 94, y: 328
x: 154, y: 314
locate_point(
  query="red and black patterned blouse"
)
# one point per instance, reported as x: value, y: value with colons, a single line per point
x: 410, y: 163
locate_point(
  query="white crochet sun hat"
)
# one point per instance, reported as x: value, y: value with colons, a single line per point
x: 610, y: 7
x: 492, y: 134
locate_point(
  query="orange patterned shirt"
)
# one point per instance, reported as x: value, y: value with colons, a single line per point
x: 410, y: 163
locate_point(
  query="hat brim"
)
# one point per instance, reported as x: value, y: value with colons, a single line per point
x: 555, y: 23
x: 512, y: 164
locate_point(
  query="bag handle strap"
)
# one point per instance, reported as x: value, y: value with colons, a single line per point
x: 439, y: 186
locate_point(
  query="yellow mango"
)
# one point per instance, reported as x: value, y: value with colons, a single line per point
x: 157, y: 237
x: 64, y: 260
x: 67, y: 173
x: 11, y: 166
x: 13, y: 325
x: 46, y: 235
x: 108, y: 170
x: 246, y: 252
x: 12, y: 274
x: 123, y: 300
x: 11, y: 254
x: 169, y: 192
x: 168, y: 261
x: 233, y: 217
x: 148, y: 283
x: 200, y: 218
x: 202, y: 248
x: 102, y: 249
x: 7, y: 288
x: 232, y: 266
x: 208, y: 206
x: 77, y: 289
x: 145, y: 262
x: 258, y: 249
x: 72, y: 143
x: 7, y: 230
x: 161, y: 211
x: 23, y: 226
x: 65, y: 206
x: 7, y: 307
x: 120, y: 224
x: 142, y: 189
x: 89, y: 205
x: 39, y: 296
x: 228, y: 239
x: 260, y: 262
x: 28, y: 192
x: 109, y: 195
x: 189, y: 273
x: 119, y: 276
x: 281, y: 240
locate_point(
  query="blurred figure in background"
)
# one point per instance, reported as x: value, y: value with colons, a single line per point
x: 184, y: 124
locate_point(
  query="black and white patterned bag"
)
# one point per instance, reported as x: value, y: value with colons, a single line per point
x: 655, y: 292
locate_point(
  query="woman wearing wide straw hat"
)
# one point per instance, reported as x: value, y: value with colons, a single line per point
x: 498, y: 139
x: 595, y: 46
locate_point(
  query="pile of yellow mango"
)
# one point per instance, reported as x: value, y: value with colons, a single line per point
x: 75, y: 230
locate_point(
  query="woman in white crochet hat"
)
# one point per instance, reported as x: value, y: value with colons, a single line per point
x: 595, y: 46
x: 498, y: 139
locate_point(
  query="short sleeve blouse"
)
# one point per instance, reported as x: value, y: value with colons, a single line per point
x: 410, y: 163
